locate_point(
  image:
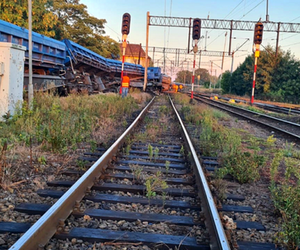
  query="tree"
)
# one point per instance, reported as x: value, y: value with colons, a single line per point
x: 204, y: 75
x: 16, y: 12
x: 226, y: 82
x: 241, y: 78
x: 278, y: 78
x: 76, y: 24
x: 62, y: 19
x: 184, y: 76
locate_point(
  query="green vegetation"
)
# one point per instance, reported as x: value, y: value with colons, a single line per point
x: 58, y: 125
x: 154, y: 128
x: 150, y: 151
x: 155, y: 183
x: 137, y: 172
x: 277, y: 77
x: 164, y: 110
x: 185, y: 76
x: 167, y: 165
x: 224, y: 142
x: 246, y: 158
x: 93, y: 145
x: 181, y: 150
x: 285, y: 191
x: 81, y: 164
x: 156, y: 151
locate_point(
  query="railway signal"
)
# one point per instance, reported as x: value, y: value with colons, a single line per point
x: 196, y: 37
x: 258, y: 33
x: 126, y: 24
x: 125, y: 31
x: 196, y: 29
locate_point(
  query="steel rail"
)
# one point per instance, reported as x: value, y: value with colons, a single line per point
x: 41, y: 231
x: 218, y: 239
x: 271, y: 107
x: 263, y: 115
x: 219, y: 105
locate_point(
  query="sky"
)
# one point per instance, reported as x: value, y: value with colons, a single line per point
x: 214, y: 40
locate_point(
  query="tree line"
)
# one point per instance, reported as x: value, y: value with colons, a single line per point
x: 202, y: 77
x: 60, y: 19
x: 277, y: 79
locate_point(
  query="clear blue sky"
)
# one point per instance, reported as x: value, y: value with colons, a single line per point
x: 248, y: 10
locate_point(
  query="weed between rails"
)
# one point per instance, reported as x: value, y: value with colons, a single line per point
x: 155, y: 183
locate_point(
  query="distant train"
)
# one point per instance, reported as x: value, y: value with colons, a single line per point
x: 67, y: 66
x: 155, y: 76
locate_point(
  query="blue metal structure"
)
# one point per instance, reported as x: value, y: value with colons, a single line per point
x: 46, y: 52
x: 130, y: 68
x: 67, y: 66
x: 154, y: 74
x: 82, y: 56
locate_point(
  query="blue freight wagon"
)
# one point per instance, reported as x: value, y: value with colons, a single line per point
x: 66, y: 65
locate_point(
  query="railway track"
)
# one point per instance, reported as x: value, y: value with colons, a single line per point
x: 289, y: 109
x: 287, y: 128
x: 151, y: 194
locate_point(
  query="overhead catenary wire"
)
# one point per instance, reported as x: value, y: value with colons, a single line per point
x: 291, y: 44
x: 234, y: 8
x: 239, y: 18
x: 252, y: 9
x: 169, y: 27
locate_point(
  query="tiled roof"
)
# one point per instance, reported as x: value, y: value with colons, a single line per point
x: 133, y: 50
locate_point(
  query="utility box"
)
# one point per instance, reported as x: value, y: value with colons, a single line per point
x: 11, y: 77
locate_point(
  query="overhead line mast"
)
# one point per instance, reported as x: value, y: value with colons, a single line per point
x: 226, y: 25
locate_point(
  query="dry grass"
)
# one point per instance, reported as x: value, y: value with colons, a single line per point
x: 46, y: 139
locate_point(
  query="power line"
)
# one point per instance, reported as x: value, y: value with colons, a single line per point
x: 252, y: 9
x: 169, y: 27
x: 291, y: 44
x: 224, y: 18
x: 242, y: 8
x: 295, y: 18
x: 234, y: 9
x: 288, y: 37
x: 239, y: 18
x: 118, y: 34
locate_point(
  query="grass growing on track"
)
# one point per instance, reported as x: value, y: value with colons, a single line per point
x: 246, y: 158
x: 214, y: 139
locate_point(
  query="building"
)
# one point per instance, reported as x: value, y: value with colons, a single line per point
x: 134, y: 53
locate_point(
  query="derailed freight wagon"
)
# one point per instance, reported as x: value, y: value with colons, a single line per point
x: 68, y: 66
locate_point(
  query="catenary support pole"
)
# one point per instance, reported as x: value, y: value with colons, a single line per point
x: 124, y: 43
x: 277, y: 39
x: 256, y: 55
x: 146, y: 56
x: 195, y: 49
x: 30, y: 85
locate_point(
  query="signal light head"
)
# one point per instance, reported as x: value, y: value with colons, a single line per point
x: 125, y: 24
x: 196, y: 29
x: 258, y: 33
